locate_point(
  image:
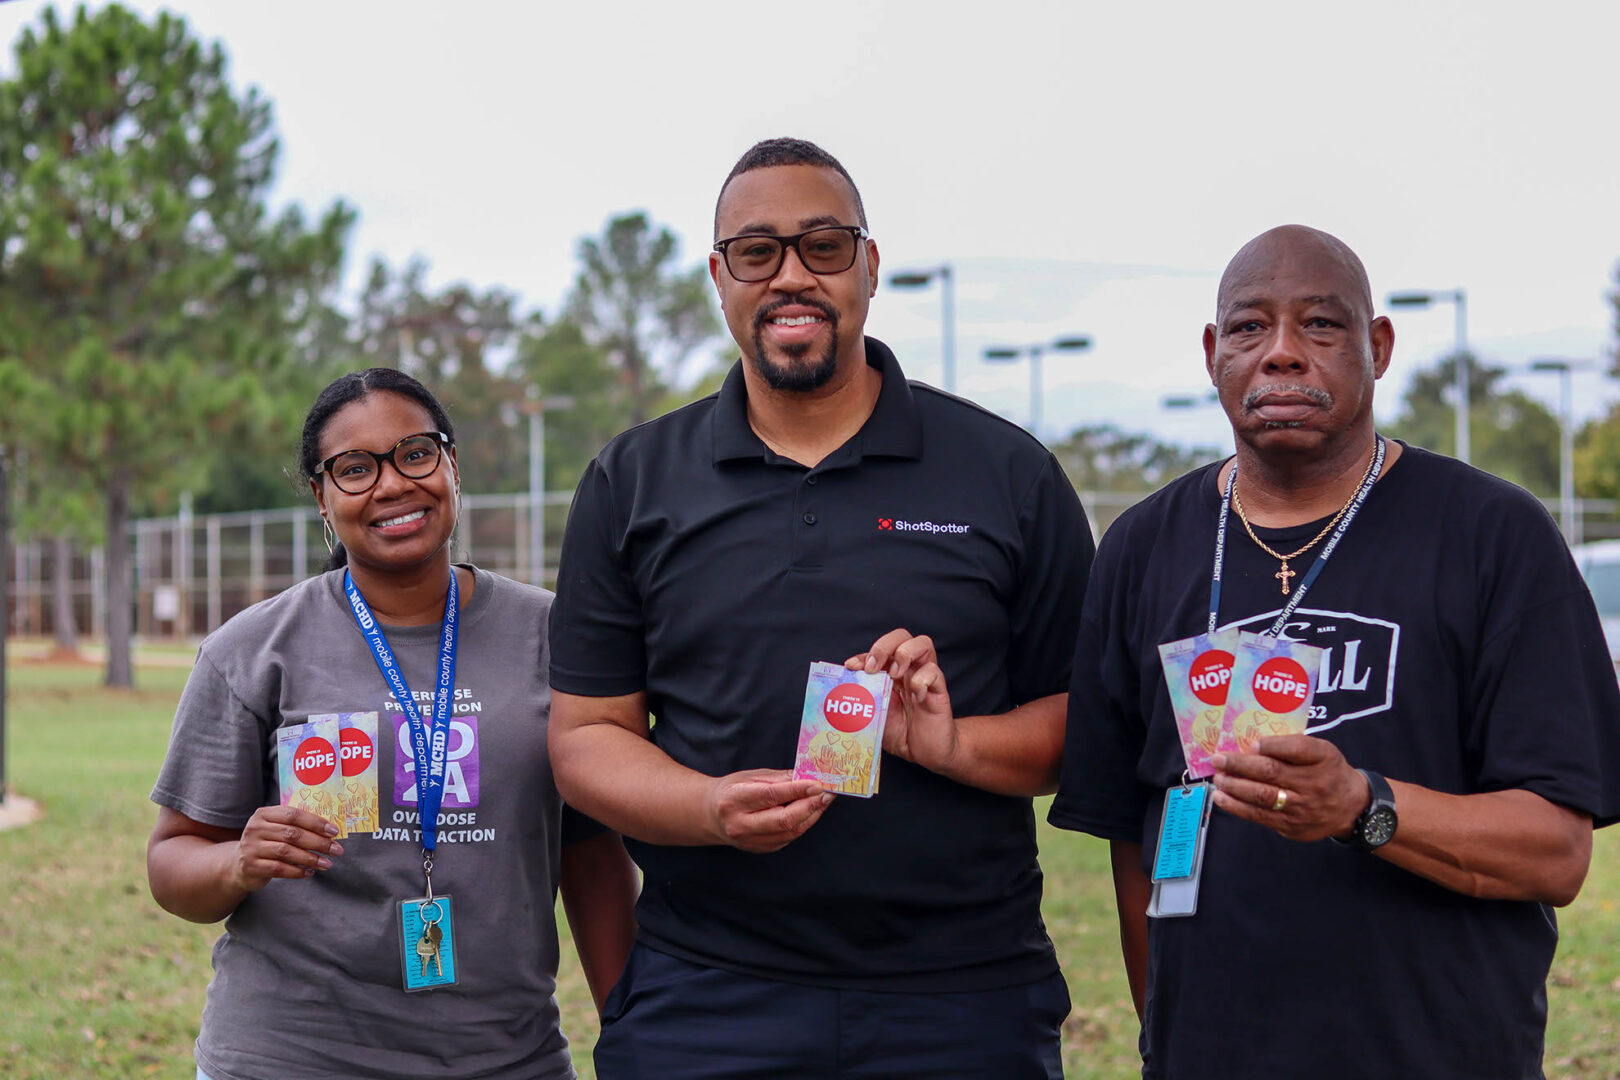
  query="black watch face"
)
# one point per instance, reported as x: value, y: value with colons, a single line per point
x: 1378, y: 827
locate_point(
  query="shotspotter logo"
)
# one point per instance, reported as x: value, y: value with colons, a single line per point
x: 896, y: 525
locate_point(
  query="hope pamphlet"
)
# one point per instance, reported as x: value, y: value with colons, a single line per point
x: 1273, y: 685
x: 841, y: 729
x: 307, y: 767
x: 1198, y: 674
x: 357, y: 767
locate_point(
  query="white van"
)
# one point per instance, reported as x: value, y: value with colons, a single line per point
x: 1600, y: 565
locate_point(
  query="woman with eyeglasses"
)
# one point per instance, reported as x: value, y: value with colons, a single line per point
x: 408, y: 931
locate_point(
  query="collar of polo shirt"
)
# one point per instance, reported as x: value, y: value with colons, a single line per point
x: 893, y: 430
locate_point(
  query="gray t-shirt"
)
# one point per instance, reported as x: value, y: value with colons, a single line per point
x: 307, y: 976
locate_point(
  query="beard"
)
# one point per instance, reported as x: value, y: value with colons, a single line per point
x: 796, y: 376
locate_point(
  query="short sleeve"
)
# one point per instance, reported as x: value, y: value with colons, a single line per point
x: 1098, y: 790
x: 216, y: 770
x: 577, y: 826
x: 1544, y: 701
x: 1052, y: 572
x: 598, y: 646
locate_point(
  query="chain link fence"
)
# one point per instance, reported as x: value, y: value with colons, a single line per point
x: 191, y: 573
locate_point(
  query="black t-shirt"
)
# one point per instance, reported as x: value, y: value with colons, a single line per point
x: 1465, y: 655
x: 708, y: 571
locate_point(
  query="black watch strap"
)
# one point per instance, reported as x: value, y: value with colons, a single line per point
x: 1376, y: 825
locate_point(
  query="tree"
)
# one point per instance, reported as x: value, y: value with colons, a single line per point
x: 456, y: 341
x: 632, y: 301
x: 1104, y: 458
x: 147, y: 293
x: 1511, y: 433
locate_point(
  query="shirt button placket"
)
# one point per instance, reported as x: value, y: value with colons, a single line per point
x: 810, y: 543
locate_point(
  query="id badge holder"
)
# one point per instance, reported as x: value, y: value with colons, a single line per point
x: 427, y: 943
x: 1178, y: 859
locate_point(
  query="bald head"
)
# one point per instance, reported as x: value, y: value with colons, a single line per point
x: 1291, y: 247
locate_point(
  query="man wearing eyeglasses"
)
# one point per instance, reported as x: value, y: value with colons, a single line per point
x: 820, y: 507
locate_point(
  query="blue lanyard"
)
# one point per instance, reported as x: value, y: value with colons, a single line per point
x: 1316, y: 567
x: 428, y: 753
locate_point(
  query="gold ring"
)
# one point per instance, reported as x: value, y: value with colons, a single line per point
x: 1282, y: 801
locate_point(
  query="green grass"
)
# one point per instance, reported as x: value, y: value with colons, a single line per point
x: 97, y: 982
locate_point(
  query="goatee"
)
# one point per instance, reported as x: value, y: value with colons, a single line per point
x: 796, y: 377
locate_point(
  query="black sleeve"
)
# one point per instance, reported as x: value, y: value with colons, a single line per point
x: 1098, y: 790
x: 597, y: 634
x: 576, y: 826
x: 1045, y: 612
x: 1544, y: 703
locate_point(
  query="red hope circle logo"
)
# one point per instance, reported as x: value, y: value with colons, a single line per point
x: 1280, y: 685
x: 1211, y: 676
x: 849, y: 707
x: 314, y: 761
x: 355, y: 751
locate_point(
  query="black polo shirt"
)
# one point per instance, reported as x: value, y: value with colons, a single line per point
x: 710, y: 572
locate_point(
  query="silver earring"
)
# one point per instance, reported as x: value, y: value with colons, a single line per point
x: 327, y: 534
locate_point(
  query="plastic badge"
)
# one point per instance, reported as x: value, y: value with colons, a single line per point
x: 1175, y: 893
x: 841, y: 729
x: 1185, y: 810
x: 427, y: 943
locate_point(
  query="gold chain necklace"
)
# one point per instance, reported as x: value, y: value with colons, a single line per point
x: 1285, y: 574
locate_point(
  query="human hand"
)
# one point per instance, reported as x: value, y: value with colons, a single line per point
x: 763, y: 810
x: 282, y: 842
x: 1322, y: 794
x: 920, y: 726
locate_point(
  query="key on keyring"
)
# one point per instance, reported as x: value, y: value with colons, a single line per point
x: 427, y: 947
x: 437, y: 935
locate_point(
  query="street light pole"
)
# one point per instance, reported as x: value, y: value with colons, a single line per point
x: 916, y: 279
x: 1460, y: 304
x: 1459, y: 300
x: 1036, y: 380
x: 1566, y: 441
x: 536, y: 407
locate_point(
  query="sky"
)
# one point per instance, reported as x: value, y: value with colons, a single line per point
x: 1085, y: 169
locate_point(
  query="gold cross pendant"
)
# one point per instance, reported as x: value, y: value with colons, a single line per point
x: 1284, y: 575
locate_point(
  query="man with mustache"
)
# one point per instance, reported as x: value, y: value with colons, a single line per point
x: 1375, y: 895
x: 818, y: 506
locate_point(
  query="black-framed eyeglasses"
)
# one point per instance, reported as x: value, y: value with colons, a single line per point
x: 414, y: 457
x: 829, y: 249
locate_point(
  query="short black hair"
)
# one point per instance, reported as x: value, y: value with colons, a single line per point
x: 345, y: 390
x: 769, y: 153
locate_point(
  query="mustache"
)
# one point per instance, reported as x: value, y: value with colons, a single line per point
x: 764, y: 314
x: 1316, y: 395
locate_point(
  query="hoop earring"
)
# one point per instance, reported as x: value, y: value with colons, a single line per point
x: 327, y: 534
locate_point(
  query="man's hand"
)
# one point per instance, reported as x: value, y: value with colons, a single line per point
x: 1322, y: 794
x: 920, y: 726
x: 762, y: 810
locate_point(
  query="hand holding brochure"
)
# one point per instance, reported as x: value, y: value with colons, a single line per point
x: 841, y: 729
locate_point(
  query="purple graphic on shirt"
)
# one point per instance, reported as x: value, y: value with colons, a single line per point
x: 460, y: 767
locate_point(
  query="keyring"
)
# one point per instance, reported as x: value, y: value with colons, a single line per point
x: 438, y: 912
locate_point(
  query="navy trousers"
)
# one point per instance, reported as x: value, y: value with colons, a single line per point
x: 667, y: 1019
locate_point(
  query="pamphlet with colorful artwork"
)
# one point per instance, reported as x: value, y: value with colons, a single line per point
x: 841, y: 729
x: 308, y: 770
x: 1273, y: 684
x: 1198, y: 674
x: 357, y: 761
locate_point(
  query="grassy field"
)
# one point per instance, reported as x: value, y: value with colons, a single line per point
x: 97, y: 982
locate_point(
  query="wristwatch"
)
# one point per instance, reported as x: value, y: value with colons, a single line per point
x: 1376, y: 824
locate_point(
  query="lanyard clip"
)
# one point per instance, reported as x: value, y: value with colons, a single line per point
x: 427, y: 872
